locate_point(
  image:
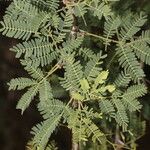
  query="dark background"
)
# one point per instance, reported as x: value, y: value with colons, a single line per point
x: 14, y: 127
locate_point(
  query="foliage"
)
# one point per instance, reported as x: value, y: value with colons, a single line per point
x: 53, y: 35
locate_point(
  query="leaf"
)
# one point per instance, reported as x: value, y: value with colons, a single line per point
x: 54, y: 108
x: 110, y: 88
x: 110, y: 27
x: 121, y: 115
x: 36, y: 47
x: 35, y: 72
x: 142, y: 52
x: 21, y: 83
x: 92, y: 130
x: 45, y: 93
x: 123, y: 79
x: 131, y: 27
x: 43, y: 131
x: 27, y: 98
x: 106, y: 106
x: 80, y: 9
x: 86, y: 53
x: 129, y: 62
x: 102, y: 10
x: 101, y: 78
x: 17, y: 29
x: 135, y: 91
x: 84, y: 85
x: 77, y: 96
x: 73, y: 73
x: 92, y: 68
x: 77, y: 127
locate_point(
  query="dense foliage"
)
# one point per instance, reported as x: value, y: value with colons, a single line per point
x: 99, y: 53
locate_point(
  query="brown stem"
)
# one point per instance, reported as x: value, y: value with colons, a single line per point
x: 119, y: 144
x: 75, y: 146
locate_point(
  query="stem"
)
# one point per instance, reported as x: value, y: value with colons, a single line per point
x: 113, y: 145
x: 50, y: 72
x: 100, y: 37
x: 118, y: 142
x: 75, y: 146
x: 110, y: 62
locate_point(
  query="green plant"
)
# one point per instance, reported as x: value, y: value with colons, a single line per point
x: 60, y: 35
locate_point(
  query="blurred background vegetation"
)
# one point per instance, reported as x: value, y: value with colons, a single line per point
x: 14, y: 128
